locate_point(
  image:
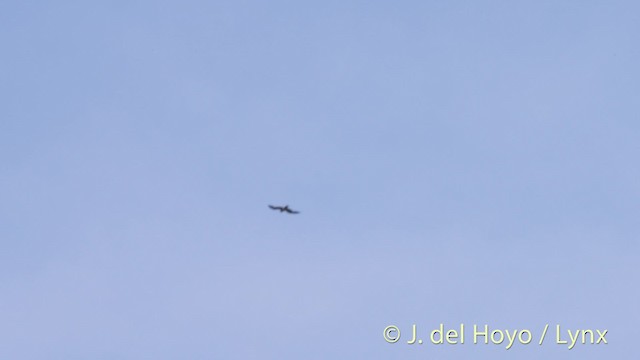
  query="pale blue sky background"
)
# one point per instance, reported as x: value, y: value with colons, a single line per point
x: 471, y: 162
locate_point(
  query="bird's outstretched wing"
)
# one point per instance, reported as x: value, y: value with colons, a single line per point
x: 274, y: 207
x: 291, y: 211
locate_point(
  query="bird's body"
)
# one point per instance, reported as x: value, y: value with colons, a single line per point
x: 284, y: 209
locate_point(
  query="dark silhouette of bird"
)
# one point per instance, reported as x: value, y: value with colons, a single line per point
x: 284, y: 209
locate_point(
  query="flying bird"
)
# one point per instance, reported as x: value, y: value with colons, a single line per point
x: 284, y: 209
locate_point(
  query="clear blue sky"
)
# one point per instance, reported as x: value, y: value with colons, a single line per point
x: 454, y: 162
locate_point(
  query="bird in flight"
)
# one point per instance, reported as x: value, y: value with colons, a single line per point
x: 284, y: 209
